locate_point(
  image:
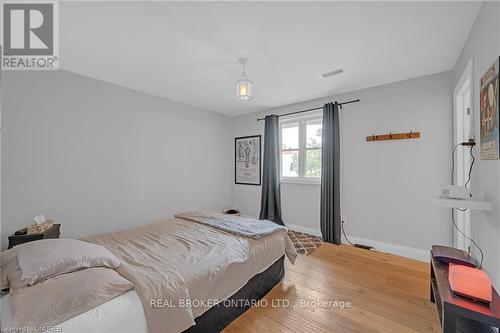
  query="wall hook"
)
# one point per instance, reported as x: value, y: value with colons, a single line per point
x: 395, y: 136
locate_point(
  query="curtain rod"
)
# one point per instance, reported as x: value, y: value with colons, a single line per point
x: 319, y: 108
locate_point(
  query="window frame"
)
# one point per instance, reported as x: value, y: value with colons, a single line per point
x: 302, y: 149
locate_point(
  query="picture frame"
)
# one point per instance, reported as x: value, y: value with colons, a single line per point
x: 489, y: 102
x: 247, y: 160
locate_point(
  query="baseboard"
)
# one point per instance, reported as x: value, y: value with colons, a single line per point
x: 399, y: 250
x: 306, y: 230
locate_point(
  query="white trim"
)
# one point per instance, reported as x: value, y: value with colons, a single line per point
x: 301, y: 181
x: 463, y: 219
x: 299, y: 116
x: 399, y: 250
x: 396, y: 249
x: 468, y: 74
x: 306, y: 230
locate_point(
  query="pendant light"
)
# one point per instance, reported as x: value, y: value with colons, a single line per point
x: 244, y: 85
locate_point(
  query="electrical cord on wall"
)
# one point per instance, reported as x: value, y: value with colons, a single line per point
x: 473, y: 242
x: 470, y: 144
x: 343, y: 232
x: 453, y: 163
x: 471, y: 165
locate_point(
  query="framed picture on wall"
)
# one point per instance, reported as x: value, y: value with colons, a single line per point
x: 247, y: 167
x: 489, y: 100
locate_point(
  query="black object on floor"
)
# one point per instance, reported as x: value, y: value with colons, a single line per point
x: 364, y: 247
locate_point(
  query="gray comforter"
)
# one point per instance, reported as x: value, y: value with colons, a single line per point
x: 237, y: 225
x: 240, y: 226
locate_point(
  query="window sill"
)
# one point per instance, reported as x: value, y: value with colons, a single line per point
x: 301, y: 181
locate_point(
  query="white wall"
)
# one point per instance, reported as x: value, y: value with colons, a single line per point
x: 387, y: 188
x: 98, y: 157
x: 483, y: 45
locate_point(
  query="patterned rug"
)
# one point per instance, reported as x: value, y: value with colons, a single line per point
x: 304, y: 243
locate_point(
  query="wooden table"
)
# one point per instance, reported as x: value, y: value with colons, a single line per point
x: 457, y: 312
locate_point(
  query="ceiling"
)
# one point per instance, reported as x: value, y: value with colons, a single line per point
x: 188, y: 51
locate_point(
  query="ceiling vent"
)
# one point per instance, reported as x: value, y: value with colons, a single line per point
x: 332, y: 73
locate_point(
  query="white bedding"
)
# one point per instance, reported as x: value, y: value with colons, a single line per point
x: 121, y: 314
x: 222, y: 275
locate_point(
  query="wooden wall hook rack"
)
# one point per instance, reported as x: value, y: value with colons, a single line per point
x: 393, y: 136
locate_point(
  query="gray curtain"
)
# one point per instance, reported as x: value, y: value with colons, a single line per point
x: 270, y: 200
x: 330, y: 175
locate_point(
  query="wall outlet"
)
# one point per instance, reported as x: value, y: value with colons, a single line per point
x: 343, y: 219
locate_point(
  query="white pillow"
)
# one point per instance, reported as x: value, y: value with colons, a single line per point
x: 40, y: 260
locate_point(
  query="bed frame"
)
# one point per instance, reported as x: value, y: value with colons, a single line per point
x: 218, y: 317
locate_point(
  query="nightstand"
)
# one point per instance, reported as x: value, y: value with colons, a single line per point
x: 52, y: 232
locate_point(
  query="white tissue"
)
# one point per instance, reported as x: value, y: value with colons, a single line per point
x: 40, y: 219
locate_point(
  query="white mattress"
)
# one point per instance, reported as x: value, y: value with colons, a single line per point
x: 125, y: 313
x: 121, y: 314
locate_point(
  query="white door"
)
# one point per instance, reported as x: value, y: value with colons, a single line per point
x: 463, y: 131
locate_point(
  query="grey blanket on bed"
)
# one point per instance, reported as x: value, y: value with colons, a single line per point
x: 240, y: 226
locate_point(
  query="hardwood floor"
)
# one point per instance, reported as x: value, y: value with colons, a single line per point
x: 387, y: 294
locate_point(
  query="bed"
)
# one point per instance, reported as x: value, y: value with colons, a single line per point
x: 216, y: 266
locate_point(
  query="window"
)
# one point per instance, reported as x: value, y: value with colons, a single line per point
x: 301, y: 149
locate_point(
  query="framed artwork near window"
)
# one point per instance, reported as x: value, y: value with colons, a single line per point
x: 489, y: 101
x: 247, y: 166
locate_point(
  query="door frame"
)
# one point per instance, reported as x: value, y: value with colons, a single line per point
x: 462, y: 219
